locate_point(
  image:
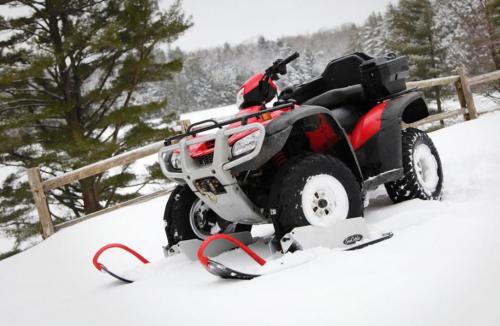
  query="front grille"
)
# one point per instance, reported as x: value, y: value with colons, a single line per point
x: 205, y: 159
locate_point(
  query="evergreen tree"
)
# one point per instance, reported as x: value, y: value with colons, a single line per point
x: 371, y: 37
x: 415, y: 33
x: 73, y: 75
x: 492, y: 17
x: 473, y: 33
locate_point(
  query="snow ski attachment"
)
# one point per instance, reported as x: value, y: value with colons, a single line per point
x: 348, y: 234
x: 344, y: 235
x: 221, y: 270
x: 100, y: 267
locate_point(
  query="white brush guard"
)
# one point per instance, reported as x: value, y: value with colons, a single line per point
x: 233, y: 204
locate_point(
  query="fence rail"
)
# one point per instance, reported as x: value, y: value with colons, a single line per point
x: 40, y: 187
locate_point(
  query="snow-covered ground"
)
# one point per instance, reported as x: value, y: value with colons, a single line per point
x: 442, y: 267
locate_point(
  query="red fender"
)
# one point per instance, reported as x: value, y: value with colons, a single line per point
x: 367, y: 126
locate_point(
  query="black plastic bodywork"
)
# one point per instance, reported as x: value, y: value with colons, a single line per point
x: 377, y: 161
x: 381, y: 156
x: 278, y: 130
x: 347, y: 104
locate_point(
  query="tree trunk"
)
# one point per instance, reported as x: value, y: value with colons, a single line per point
x: 438, y: 102
x: 492, y: 42
x: 90, y: 196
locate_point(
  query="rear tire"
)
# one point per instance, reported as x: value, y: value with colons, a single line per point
x: 319, y: 190
x: 181, y: 223
x: 423, y: 173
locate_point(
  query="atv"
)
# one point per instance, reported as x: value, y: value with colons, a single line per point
x: 304, y: 156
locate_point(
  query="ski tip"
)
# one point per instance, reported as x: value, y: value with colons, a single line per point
x: 116, y: 276
x: 225, y: 272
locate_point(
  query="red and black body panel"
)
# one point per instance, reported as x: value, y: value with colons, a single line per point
x: 377, y: 137
x: 323, y: 134
x: 372, y: 150
x: 258, y: 90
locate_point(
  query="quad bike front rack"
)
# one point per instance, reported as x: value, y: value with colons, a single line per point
x: 215, y: 124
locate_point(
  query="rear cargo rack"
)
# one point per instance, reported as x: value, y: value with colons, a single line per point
x: 215, y: 124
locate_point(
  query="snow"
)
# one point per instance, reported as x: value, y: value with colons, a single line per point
x: 215, y: 113
x: 5, y: 171
x: 6, y: 243
x: 441, y: 268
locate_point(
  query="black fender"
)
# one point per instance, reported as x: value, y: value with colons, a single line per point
x: 381, y: 156
x: 406, y: 108
x: 278, y: 131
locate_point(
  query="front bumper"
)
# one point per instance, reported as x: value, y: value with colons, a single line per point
x: 213, y: 181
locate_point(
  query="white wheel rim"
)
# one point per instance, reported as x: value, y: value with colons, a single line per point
x: 426, y: 168
x: 324, y: 200
x: 196, y: 220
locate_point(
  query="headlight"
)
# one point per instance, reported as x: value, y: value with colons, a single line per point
x: 246, y: 144
x: 239, y: 98
x: 175, y: 160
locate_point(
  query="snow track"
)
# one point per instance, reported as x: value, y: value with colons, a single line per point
x: 442, y: 266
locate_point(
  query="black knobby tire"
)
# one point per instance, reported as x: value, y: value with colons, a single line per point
x: 290, y: 213
x: 409, y: 186
x: 176, y: 216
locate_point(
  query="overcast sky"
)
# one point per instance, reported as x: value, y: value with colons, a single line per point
x: 234, y: 21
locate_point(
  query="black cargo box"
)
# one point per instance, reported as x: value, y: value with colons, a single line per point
x: 384, y: 76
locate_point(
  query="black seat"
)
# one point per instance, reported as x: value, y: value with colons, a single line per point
x: 339, y: 73
x: 338, y: 97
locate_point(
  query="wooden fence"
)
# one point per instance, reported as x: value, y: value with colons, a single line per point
x: 40, y: 187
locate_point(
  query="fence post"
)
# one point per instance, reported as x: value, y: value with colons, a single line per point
x: 461, y: 98
x: 184, y: 124
x: 35, y: 181
x: 467, y: 94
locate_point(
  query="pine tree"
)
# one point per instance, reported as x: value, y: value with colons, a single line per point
x: 473, y: 33
x: 415, y: 33
x: 74, y: 78
x: 371, y: 37
x: 492, y: 18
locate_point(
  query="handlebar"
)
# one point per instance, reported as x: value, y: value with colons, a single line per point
x: 290, y: 58
x: 279, y: 66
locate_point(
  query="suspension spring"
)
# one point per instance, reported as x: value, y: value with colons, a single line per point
x: 279, y: 159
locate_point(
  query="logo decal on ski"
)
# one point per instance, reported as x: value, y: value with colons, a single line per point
x: 352, y: 239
